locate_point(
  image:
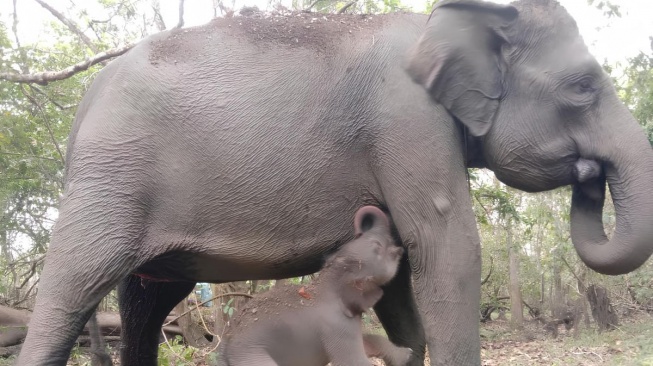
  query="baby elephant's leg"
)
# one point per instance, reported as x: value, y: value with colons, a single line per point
x: 251, y: 358
x: 381, y: 347
x: 344, y: 345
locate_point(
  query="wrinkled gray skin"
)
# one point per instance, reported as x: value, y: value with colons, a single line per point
x: 293, y: 325
x: 222, y: 153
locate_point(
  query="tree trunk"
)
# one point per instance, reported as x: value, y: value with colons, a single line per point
x: 502, y: 314
x: 582, y: 302
x: 283, y: 281
x: 602, y: 310
x: 192, y: 333
x: 253, y: 287
x: 99, y: 354
x: 13, y: 326
x: 538, y: 248
x: 4, y: 245
x: 557, y: 300
x: 516, y: 307
x: 220, y: 318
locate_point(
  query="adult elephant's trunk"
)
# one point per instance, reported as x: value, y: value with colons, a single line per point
x: 627, y: 161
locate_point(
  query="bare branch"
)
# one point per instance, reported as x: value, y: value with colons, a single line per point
x: 204, y: 302
x: 27, y: 156
x: 45, y: 119
x: 43, y: 78
x: 14, y: 26
x: 47, y: 126
x: 158, y: 19
x: 54, y: 102
x: 489, y: 273
x: 347, y: 6
x: 70, y: 24
x: 27, y: 294
x: 580, y: 281
x: 23, y: 56
x: 181, y: 14
x: 31, y: 272
x: 308, y: 8
x: 215, y: 8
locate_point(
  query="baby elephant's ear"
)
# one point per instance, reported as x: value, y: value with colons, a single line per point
x: 368, y: 217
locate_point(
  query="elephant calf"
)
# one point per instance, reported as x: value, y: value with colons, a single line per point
x: 321, y: 323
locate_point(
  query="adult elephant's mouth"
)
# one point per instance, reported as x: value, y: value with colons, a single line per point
x: 590, y: 179
x: 585, y: 170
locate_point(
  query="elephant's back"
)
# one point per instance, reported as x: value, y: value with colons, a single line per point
x: 324, y: 35
x: 233, y: 65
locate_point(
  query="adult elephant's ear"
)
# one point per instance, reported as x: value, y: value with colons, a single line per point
x: 458, y: 59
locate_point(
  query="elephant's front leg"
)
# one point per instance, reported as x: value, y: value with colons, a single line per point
x: 446, y: 266
x: 444, y: 255
x: 431, y: 207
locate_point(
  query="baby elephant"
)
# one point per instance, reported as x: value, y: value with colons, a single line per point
x: 313, y: 325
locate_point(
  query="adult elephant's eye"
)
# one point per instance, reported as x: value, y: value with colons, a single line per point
x: 579, y: 91
x: 586, y: 85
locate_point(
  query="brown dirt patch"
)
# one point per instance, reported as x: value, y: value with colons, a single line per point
x: 320, y: 32
x: 274, y: 303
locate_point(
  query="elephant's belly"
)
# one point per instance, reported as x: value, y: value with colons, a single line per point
x: 261, y: 264
x: 225, y: 259
x: 255, y: 221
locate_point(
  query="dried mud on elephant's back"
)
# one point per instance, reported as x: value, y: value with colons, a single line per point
x: 319, y: 32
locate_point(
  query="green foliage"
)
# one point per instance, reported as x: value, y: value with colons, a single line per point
x: 292, y: 281
x: 536, y: 225
x: 228, y: 309
x: 9, y: 361
x: 640, y: 285
x: 212, y: 358
x: 35, y: 122
x: 176, y: 353
x: 78, y: 358
x: 499, y: 200
x: 608, y: 7
x: 635, y: 88
x: 429, y: 5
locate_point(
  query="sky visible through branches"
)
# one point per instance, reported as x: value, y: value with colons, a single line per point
x: 613, y: 39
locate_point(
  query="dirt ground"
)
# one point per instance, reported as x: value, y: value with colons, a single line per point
x: 629, y: 345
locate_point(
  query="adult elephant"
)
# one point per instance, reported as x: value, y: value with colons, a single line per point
x: 241, y: 150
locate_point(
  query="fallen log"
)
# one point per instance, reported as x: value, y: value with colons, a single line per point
x: 10, y: 351
x: 13, y: 325
x: 110, y: 325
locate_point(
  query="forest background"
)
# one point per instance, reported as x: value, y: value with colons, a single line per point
x: 50, y: 51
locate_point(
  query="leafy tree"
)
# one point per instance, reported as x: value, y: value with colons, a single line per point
x: 635, y: 87
x: 34, y: 125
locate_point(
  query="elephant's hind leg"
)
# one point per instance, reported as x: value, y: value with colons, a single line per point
x: 84, y: 262
x: 144, y: 306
